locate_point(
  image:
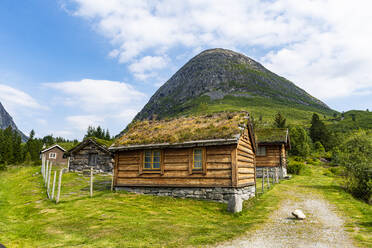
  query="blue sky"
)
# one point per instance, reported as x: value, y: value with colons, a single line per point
x: 68, y: 64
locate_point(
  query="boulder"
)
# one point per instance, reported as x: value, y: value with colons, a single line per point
x: 299, y: 214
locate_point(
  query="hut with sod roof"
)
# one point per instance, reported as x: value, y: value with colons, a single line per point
x: 273, y: 144
x: 205, y: 157
x: 91, y: 153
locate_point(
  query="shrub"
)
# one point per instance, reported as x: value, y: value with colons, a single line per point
x: 300, y: 142
x: 356, y: 157
x: 3, y: 166
x: 296, y: 167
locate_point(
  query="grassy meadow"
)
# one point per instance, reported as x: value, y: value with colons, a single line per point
x: 28, y: 219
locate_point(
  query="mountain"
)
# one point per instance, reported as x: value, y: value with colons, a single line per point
x: 224, y: 80
x: 6, y: 120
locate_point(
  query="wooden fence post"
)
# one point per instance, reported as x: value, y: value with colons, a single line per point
x: 268, y: 178
x: 112, y: 180
x: 91, y: 181
x: 59, y: 185
x: 49, y: 175
x: 263, y: 180
x: 54, y: 184
x: 46, y: 172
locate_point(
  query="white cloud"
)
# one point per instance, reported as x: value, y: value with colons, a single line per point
x: 144, y: 67
x: 98, y: 95
x: 81, y: 122
x: 14, y: 98
x: 110, y: 104
x: 323, y: 45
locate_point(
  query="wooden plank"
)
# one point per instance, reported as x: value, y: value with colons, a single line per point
x: 176, y: 152
x: 116, y: 167
x: 247, y: 160
x: 190, y: 160
x: 246, y: 155
x: 218, y: 166
x: 140, y: 166
x: 244, y: 176
x: 245, y: 165
x: 162, y: 162
x: 190, y: 182
x: 234, y: 180
x: 219, y: 158
x: 242, y: 149
x: 180, y: 167
x: 176, y: 174
x: 246, y: 170
x: 183, y: 159
x: 204, y: 160
x: 246, y: 181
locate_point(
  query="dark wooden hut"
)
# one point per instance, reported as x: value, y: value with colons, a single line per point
x: 206, y: 157
x: 273, y: 144
x: 91, y: 153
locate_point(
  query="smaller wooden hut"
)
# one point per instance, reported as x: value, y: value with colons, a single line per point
x: 91, y: 153
x: 54, y: 154
x: 273, y: 144
x: 205, y: 157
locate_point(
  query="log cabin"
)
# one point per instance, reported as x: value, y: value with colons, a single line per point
x: 91, y: 153
x: 206, y: 157
x: 273, y: 144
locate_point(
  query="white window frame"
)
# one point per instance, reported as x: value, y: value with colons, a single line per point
x: 53, y: 155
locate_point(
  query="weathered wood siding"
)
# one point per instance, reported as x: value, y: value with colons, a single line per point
x: 283, y: 156
x: 245, y: 162
x: 272, y: 158
x: 59, y: 156
x: 80, y: 160
x: 175, y: 169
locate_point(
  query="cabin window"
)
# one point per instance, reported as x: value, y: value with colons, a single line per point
x: 261, y: 151
x: 152, y: 160
x: 197, y: 159
x: 53, y: 155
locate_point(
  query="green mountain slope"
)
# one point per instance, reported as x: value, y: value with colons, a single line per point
x: 351, y: 120
x: 223, y: 80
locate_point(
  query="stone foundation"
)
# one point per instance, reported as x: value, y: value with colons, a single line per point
x: 219, y: 194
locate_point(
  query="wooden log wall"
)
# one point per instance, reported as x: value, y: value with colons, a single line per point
x: 245, y: 162
x: 272, y: 158
x: 175, y: 170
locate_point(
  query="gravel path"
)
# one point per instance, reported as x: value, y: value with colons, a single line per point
x: 322, y: 227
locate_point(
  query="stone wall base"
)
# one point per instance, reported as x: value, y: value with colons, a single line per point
x: 219, y: 194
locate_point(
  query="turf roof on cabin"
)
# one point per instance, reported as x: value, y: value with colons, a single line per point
x: 271, y: 135
x: 183, y: 129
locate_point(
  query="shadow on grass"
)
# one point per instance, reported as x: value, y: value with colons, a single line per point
x: 325, y: 187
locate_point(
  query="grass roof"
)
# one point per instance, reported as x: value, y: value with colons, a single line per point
x: 218, y: 126
x: 271, y: 135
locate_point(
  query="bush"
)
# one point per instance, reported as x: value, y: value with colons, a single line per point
x: 300, y: 142
x: 3, y: 166
x: 356, y: 157
x: 296, y: 167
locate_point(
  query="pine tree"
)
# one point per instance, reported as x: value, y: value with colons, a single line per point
x: 279, y: 120
x: 319, y: 132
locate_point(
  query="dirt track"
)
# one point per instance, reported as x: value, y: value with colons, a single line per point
x: 322, y: 227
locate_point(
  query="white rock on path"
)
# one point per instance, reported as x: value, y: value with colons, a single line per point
x: 299, y: 214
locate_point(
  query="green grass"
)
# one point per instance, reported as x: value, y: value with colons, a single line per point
x: 28, y: 219
x: 266, y: 108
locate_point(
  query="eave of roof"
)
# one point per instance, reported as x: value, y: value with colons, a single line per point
x: 185, y: 144
x: 53, y: 146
